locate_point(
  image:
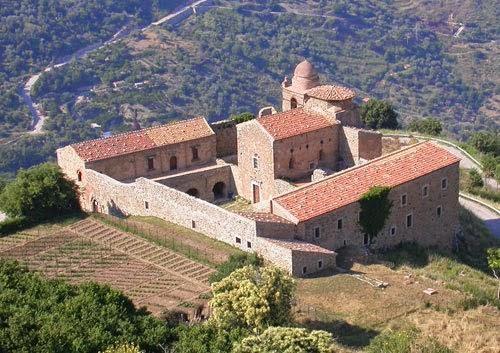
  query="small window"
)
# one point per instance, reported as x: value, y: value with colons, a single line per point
x: 339, y: 224
x: 312, y: 165
x: 151, y: 163
x: 392, y: 231
x: 320, y: 264
x: 256, y: 162
x: 307, y: 146
x: 146, y: 205
x: 409, y: 221
x: 359, y: 216
x: 345, y: 242
x: 291, y: 163
x: 444, y: 184
x: 79, y: 176
x: 320, y: 155
x: 194, y: 151
x: 249, y: 245
x: 425, y: 191
x: 293, y: 103
x: 193, y: 224
x: 304, y: 270
x: 317, y: 232
x: 439, y: 211
x: 404, y: 199
x: 238, y: 240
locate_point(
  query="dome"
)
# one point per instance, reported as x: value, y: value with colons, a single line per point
x: 305, y: 69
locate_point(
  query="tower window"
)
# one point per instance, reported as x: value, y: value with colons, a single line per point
x: 255, y: 162
x: 293, y: 103
x: 79, y: 175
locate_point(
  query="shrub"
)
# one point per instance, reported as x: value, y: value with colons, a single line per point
x: 235, y: 262
x: 241, y: 118
x: 486, y: 142
x: 378, y: 114
x: 428, y: 126
x: 475, y: 179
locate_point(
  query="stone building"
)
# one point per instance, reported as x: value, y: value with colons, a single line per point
x: 303, y: 171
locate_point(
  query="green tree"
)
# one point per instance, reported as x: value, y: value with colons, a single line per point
x: 235, y: 261
x: 207, y: 338
x: 242, y: 117
x: 490, y: 164
x: 475, y: 179
x: 377, y: 114
x: 253, y: 298
x: 287, y: 340
x: 428, y: 126
x: 39, y: 193
x: 486, y: 142
x: 494, y: 265
x: 123, y: 348
x: 375, y: 209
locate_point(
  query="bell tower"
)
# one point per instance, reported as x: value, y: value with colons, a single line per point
x: 304, y: 78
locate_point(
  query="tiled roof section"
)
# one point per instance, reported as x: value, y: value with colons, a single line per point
x: 292, y: 123
x: 142, y: 140
x: 331, y: 93
x: 296, y: 245
x: 263, y: 217
x: 337, y: 191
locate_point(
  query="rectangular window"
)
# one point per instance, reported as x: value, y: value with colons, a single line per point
x: 339, y: 224
x: 404, y: 199
x: 151, y: 163
x: 409, y: 221
x: 194, y: 151
x: 392, y: 231
x: 238, y: 240
x: 255, y: 162
x: 146, y: 205
x: 439, y: 211
x: 193, y: 224
x: 304, y: 270
x: 444, y: 184
x: 320, y: 264
x: 317, y: 232
x: 312, y: 165
x: 425, y: 191
x: 249, y: 245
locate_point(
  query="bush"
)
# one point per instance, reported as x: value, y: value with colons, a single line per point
x: 39, y: 193
x: 241, y: 118
x: 475, y: 179
x: 235, y: 262
x: 428, y: 126
x: 405, y: 342
x: 490, y: 164
x: 378, y: 114
x: 486, y: 142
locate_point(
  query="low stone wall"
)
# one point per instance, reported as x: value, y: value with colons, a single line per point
x: 225, y: 131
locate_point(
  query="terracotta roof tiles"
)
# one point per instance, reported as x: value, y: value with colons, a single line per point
x: 142, y: 140
x: 345, y: 188
x: 292, y: 122
x: 331, y: 93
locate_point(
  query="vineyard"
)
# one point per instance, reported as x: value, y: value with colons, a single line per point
x: 88, y: 250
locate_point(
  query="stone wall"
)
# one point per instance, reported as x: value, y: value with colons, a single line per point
x: 226, y: 134
x: 71, y: 164
x: 357, y: 145
x: 428, y: 229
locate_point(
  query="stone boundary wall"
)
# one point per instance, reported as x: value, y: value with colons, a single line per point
x: 278, y: 255
x: 358, y: 145
x: 226, y: 134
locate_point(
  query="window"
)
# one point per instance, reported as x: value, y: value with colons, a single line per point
x: 339, y: 224
x: 173, y: 163
x: 255, y: 162
x: 317, y: 232
x: 291, y: 163
x: 307, y: 146
x: 238, y: 240
x: 320, y: 155
x: 312, y: 165
x: 146, y: 205
x: 359, y: 216
x: 151, y: 163
x: 425, y: 191
x: 320, y: 264
x: 304, y: 270
x: 392, y: 231
x: 293, y: 103
x: 79, y: 175
x: 439, y: 211
x: 194, y: 151
x: 404, y: 199
x: 193, y: 224
x: 409, y: 221
x: 249, y: 245
x: 444, y: 184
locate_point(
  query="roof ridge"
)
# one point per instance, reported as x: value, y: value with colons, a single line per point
x: 138, y: 131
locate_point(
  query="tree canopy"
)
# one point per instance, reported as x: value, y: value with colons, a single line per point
x: 486, y: 142
x: 428, y: 126
x: 39, y: 193
x: 378, y: 114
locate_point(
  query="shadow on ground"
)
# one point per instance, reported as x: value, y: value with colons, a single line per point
x: 344, y: 333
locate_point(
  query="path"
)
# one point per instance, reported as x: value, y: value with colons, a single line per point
x: 491, y: 219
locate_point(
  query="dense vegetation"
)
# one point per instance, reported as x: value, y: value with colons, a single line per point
x: 40, y: 316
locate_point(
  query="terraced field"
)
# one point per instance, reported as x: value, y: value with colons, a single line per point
x: 88, y: 250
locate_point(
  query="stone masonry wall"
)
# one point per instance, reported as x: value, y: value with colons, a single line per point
x: 357, y: 145
x: 226, y: 134
x: 71, y: 164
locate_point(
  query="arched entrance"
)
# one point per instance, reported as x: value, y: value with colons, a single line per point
x: 293, y: 103
x: 219, y: 190
x: 193, y: 192
x: 173, y: 163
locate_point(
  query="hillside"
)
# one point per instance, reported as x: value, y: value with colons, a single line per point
x: 234, y: 58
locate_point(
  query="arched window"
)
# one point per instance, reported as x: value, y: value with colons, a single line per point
x: 173, y: 163
x: 79, y: 175
x: 293, y: 103
x: 291, y: 163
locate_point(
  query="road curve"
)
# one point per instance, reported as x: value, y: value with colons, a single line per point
x: 490, y: 218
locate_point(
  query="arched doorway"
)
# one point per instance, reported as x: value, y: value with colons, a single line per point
x: 193, y: 192
x: 219, y: 190
x: 293, y: 103
x: 173, y: 163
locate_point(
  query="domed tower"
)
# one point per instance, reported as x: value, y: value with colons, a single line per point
x: 304, y: 78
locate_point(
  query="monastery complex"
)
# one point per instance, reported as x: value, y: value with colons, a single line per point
x: 302, y: 171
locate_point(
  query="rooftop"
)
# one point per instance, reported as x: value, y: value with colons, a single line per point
x: 296, y: 245
x: 292, y: 123
x: 347, y: 187
x: 331, y: 93
x: 142, y: 140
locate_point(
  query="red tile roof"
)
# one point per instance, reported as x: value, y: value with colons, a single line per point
x: 292, y: 123
x: 340, y: 190
x: 142, y: 140
x: 331, y: 93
